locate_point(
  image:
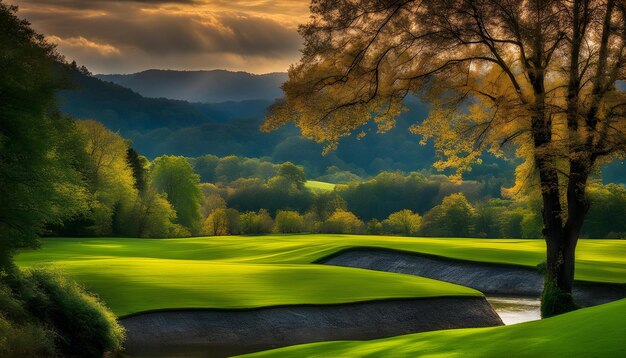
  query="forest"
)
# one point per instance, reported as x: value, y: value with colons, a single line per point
x: 431, y: 178
x: 172, y: 196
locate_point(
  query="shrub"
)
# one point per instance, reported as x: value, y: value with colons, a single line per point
x: 288, y: 222
x: 403, y: 222
x: 256, y: 223
x: 25, y: 340
x: 43, y: 311
x: 342, y: 222
x: 84, y: 326
x: 154, y: 216
x: 20, y: 335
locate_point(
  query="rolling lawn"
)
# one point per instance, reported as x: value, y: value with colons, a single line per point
x: 132, y: 284
x: 596, y: 260
x: 591, y: 332
x: 135, y: 275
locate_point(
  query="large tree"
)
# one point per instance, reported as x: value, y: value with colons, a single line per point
x: 38, y: 180
x: 174, y: 176
x: 109, y: 177
x: 537, y: 77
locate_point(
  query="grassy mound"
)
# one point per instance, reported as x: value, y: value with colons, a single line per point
x: 592, y: 332
x: 134, y: 284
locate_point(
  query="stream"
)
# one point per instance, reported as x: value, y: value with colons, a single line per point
x: 516, y: 309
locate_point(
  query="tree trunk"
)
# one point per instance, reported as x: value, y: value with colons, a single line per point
x: 559, y: 277
x: 561, y: 258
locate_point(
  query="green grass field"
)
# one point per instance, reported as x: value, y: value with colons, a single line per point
x: 319, y: 186
x: 132, y: 284
x: 134, y: 275
x: 596, y: 260
x: 591, y: 332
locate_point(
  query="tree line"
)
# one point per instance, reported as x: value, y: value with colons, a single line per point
x: 128, y: 195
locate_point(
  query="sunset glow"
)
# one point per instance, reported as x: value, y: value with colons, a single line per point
x: 255, y: 36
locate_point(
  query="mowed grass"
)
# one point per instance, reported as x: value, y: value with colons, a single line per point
x: 133, y: 284
x: 319, y: 186
x: 596, y: 260
x: 591, y: 332
x: 137, y: 275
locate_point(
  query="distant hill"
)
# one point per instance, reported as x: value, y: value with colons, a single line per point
x: 202, y: 86
x: 159, y: 126
x: 122, y: 109
x: 165, y: 126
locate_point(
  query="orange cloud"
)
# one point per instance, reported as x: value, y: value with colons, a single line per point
x: 85, y: 44
x: 113, y: 36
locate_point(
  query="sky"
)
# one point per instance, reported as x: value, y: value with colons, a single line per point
x: 126, y: 36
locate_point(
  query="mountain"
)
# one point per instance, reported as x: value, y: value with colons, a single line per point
x: 158, y: 126
x: 164, y: 126
x: 202, y: 86
x: 122, y: 109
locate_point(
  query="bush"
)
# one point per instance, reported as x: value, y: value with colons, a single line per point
x: 43, y: 312
x: 252, y: 223
x: 221, y: 222
x: 403, y: 222
x: 85, y: 327
x: 25, y: 340
x: 342, y: 222
x: 20, y: 335
x: 288, y: 222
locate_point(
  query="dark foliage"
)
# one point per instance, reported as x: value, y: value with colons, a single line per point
x: 76, y: 323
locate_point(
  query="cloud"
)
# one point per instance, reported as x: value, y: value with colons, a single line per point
x: 112, y: 36
x: 84, y: 44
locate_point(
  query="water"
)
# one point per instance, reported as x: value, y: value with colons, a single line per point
x: 516, y: 310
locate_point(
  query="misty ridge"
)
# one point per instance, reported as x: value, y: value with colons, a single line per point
x: 158, y: 126
x: 202, y: 86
